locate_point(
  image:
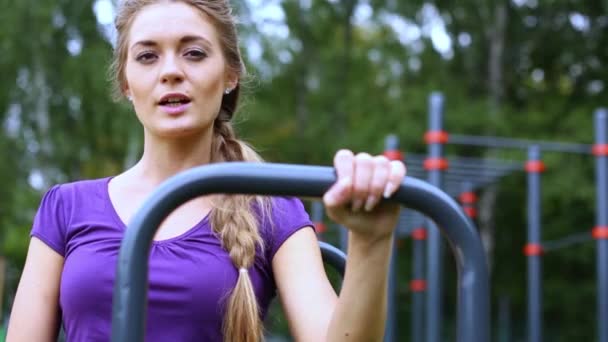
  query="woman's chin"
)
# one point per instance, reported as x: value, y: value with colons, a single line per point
x: 181, y: 131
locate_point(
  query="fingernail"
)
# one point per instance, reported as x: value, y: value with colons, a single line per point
x: 345, y: 181
x: 329, y: 199
x: 370, y: 203
x: 357, y: 205
x: 388, y: 190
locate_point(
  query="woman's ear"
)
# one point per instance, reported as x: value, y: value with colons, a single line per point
x: 232, y: 80
x: 127, y: 92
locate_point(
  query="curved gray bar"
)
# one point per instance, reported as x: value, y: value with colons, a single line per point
x: 130, y: 290
x: 334, y: 257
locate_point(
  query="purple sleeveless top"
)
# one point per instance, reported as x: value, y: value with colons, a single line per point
x: 190, y: 275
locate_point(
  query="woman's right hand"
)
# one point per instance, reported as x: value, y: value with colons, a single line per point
x: 355, y: 200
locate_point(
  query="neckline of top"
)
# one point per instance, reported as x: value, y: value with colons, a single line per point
x: 123, y: 226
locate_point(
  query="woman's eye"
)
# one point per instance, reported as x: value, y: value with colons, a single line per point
x: 196, y: 54
x: 145, y: 57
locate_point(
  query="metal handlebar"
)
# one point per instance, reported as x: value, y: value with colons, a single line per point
x: 334, y: 257
x: 130, y: 289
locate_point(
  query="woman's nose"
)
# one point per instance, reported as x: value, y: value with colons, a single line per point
x: 171, y: 72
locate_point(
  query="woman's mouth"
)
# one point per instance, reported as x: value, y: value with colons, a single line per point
x: 174, y: 104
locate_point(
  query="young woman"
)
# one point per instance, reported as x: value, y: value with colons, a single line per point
x: 217, y: 261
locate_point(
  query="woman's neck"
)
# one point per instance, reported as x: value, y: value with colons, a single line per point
x: 163, y: 158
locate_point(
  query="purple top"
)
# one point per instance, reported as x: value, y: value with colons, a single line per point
x: 190, y: 274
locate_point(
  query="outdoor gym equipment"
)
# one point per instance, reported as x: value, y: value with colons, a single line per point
x: 130, y: 291
x: 459, y: 181
x: 436, y: 137
x: 333, y: 256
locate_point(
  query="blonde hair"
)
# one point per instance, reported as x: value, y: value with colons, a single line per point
x: 233, y: 216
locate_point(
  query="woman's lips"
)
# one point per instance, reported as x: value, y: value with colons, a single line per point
x: 175, y: 109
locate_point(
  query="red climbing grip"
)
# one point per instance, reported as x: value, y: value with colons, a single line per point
x: 435, y: 164
x: 533, y: 249
x: 320, y: 227
x: 600, y: 233
x: 470, y: 211
x: 417, y: 285
x: 436, y: 137
x: 600, y: 150
x: 467, y: 197
x: 393, y: 155
x: 535, y: 166
x: 419, y: 234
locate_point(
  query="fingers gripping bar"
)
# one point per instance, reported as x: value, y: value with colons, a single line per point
x: 129, y: 303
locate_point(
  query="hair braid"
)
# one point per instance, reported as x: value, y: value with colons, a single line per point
x: 238, y: 231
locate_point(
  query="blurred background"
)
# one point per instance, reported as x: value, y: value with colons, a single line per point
x: 327, y: 74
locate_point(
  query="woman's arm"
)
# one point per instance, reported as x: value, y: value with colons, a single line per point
x: 313, y: 310
x: 35, y: 312
x: 359, y: 314
x: 306, y: 294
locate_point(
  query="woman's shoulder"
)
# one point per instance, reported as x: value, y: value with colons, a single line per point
x: 286, y: 216
x: 75, y: 193
x: 281, y: 205
x: 84, y: 184
x: 287, y: 211
x: 61, y: 205
x: 82, y: 187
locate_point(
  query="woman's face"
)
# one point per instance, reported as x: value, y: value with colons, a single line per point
x: 175, y: 70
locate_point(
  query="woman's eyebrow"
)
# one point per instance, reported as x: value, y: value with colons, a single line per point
x: 146, y: 43
x: 184, y: 40
x: 195, y: 38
